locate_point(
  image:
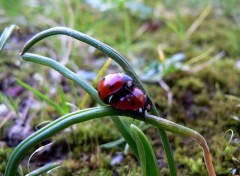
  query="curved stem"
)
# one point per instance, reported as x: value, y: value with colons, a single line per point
x: 110, y: 52
x: 46, y: 168
x: 6, y: 34
x: 53, y: 128
x: 88, y: 114
x: 185, y: 132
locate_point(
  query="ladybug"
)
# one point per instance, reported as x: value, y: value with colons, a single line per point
x: 120, y: 91
x: 113, y: 83
x: 135, y: 100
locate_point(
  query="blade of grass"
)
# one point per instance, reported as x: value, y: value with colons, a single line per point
x: 198, y: 21
x: 44, y: 169
x: 200, y: 57
x: 14, y: 104
x: 42, y: 96
x: 38, y: 150
x: 147, y: 156
x: 7, y: 103
x: 113, y: 143
x: 100, y: 74
x: 6, y: 35
x: 11, y: 104
x: 63, y: 103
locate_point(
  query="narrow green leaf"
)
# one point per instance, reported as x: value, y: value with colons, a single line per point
x: 6, y: 35
x: 63, y: 100
x: 113, y: 143
x: 95, y: 81
x: 38, y: 150
x: 14, y: 104
x: 11, y: 104
x: 42, y: 96
x: 4, y: 100
x: 45, y: 168
x: 147, y: 157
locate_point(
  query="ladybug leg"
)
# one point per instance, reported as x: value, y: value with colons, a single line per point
x: 148, y: 104
x: 118, y: 96
x: 148, y: 107
x: 110, y: 98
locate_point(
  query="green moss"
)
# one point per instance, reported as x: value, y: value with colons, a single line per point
x: 199, y: 102
x: 219, y: 33
x: 202, y: 98
x: 85, y: 136
x: 4, y: 155
x: 192, y: 84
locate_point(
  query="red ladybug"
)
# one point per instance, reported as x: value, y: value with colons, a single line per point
x: 119, y: 90
x: 113, y: 83
x: 136, y: 100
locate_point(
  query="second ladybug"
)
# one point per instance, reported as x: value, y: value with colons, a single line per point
x: 136, y: 100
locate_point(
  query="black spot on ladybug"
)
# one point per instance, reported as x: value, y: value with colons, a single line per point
x: 111, y: 87
x: 132, y: 103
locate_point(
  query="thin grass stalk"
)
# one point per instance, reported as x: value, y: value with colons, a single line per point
x: 42, y: 96
x: 45, y: 168
x: 6, y: 34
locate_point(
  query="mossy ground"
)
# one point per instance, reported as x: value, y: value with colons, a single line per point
x: 199, y: 99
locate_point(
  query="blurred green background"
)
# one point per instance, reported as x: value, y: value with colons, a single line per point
x: 186, y: 52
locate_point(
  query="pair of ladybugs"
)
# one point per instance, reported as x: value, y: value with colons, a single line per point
x: 120, y: 91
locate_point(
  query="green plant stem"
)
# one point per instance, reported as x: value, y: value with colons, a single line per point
x: 88, y: 114
x: 6, y: 34
x: 42, y: 96
x: 169, y: 155
x: 45, y: 168
x: 185, y: 132
x: 148, y: 160
x: 110, y: 52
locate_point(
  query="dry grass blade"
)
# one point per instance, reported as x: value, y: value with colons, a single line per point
x: 198, y: 21
x: 96, y: 80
